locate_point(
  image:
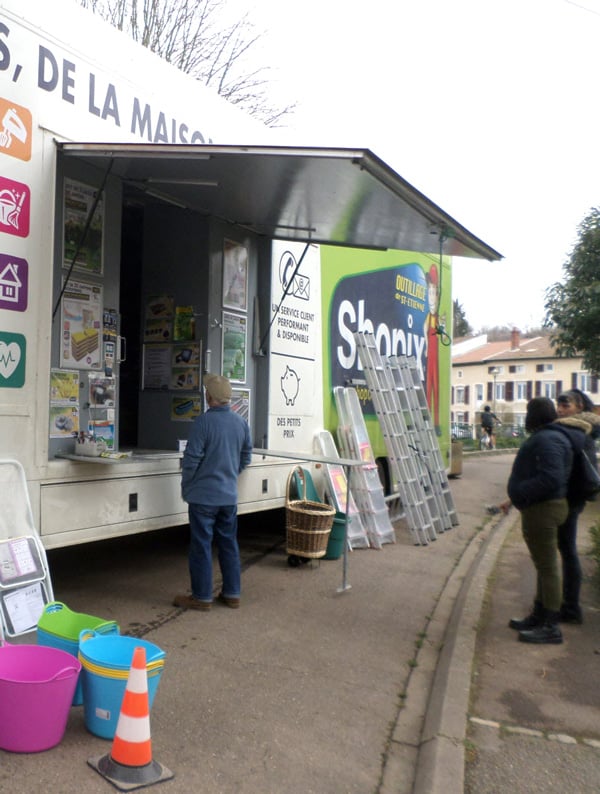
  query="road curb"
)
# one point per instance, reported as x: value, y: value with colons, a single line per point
x: 453, y: 630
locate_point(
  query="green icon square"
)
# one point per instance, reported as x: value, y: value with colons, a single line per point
x: 12, y: 360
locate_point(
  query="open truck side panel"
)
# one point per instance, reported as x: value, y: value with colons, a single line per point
x: 136, y: 253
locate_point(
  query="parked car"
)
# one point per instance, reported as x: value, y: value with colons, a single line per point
x: 511, y: 431
x: 460, y: 431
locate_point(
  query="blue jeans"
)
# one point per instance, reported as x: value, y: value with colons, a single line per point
x: 207, y: 521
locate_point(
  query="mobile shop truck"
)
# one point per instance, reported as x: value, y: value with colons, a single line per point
x: 141, y: 245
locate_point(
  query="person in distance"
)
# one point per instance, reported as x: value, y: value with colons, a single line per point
x: 537, y: 487
x: 575, y: 409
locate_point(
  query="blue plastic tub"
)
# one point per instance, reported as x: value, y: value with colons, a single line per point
x: 105, y: 664
x: 60, y: 627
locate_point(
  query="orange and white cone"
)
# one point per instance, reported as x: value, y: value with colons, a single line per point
x: 129, y: 765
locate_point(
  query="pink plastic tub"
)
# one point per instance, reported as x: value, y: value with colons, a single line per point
x: 36, y: 690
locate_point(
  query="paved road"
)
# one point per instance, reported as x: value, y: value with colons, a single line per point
x: 306, y: 689
x: 535, y: 711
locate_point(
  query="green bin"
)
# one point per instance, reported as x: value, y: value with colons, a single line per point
x: 335, y: 544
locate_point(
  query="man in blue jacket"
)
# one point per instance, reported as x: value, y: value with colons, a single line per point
x: 218, y: 449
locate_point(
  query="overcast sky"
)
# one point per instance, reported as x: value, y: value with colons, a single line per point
x: 489, y: 107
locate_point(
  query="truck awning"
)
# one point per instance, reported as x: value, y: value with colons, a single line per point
x: 330, y: 196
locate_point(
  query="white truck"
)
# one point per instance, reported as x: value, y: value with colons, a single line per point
x: 150, y: 232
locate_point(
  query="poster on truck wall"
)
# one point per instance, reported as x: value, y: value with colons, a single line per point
x: 82, y: 243
x: 64, y: 403
x: 235, y: 276
x: 405, y: 300
x: 81, y: 326
x: 185, y: 409
x: 240, y: 402
x: 235, y: 342
x: 64, y: 421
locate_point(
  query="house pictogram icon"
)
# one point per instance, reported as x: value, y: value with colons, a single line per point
x: 10, y: 283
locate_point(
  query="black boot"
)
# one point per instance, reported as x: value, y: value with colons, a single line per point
x: 536, y: 618
x: 548, y: 632
x: 571, y: 614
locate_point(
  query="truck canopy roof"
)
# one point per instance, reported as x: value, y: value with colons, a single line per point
x: 335, y: 196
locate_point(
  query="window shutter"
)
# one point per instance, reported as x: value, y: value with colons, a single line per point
x: 538, y: 388
x: 573, y: 380
x: 529, y: 390
x: 467, y: 395
x: 559, y: 387
x: 490, y: 388
x: 509, y: 387
x: 594, y: 384
x: 452, y: 400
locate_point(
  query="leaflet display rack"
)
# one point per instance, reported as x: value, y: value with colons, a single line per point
x: 336, y: 486
x: 25, y: 586
x: 367, y: 489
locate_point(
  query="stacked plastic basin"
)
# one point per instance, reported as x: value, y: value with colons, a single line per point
x: 36, y: 690
x: 60, y: 627
x: 105, y: 664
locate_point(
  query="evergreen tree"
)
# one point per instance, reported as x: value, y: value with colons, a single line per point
x: 573, y: 307
x: 461, y: 326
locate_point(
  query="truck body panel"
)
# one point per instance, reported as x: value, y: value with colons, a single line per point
x: 150, y: 232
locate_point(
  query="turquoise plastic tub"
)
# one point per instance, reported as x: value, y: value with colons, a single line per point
x: 105, y: 664
x: 60, y: 627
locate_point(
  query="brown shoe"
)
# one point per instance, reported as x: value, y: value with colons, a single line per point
x: 189, y: 602
x: 232, y: 603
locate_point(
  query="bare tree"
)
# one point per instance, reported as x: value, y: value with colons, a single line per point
x: 194, y: 36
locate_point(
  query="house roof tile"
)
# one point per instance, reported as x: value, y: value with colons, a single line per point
x: 533, y: 347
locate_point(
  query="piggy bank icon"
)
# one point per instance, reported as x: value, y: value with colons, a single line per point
x: 289, y: 385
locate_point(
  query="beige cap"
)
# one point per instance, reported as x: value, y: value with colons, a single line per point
x: 218, y: 387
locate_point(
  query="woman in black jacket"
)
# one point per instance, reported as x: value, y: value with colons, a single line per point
x: 537, y: 487
x: 575, y: 409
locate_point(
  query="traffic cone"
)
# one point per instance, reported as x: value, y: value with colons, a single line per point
x: 129, y: 765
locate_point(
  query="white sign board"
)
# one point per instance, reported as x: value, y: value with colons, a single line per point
x: 296, y: 389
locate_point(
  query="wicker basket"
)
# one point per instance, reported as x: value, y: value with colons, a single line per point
x: 308, y: 523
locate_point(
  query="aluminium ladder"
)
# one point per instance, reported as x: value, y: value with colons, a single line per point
x: 408, y: 470
x: 405, y: 368
x: 419, y: 442
x: 408, y: 383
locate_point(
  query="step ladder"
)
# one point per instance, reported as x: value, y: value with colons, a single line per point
x: 25, y: 586
x: 405, y: 370
x: 336, y: 488
x: 366, y: 486
x: 408, y: 469
x: 418, y: 443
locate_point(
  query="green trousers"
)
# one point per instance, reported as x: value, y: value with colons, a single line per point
x: 539, y: 524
